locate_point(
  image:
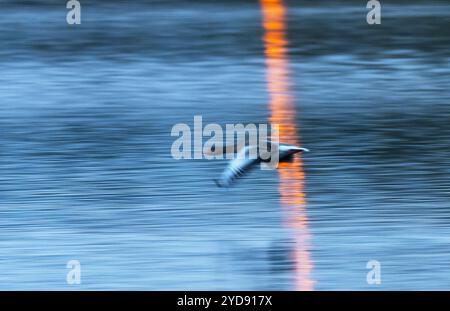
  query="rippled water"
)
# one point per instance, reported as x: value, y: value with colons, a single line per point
x: 86, y: 171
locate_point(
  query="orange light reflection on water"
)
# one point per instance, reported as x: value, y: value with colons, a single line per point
x: 291, y: 175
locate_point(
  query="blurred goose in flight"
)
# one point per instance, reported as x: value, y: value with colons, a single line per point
x: 244, y: 160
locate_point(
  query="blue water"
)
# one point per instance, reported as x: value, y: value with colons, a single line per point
x: 86, y: 171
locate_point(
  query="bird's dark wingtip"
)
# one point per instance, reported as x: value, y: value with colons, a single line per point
x: 221, y: 184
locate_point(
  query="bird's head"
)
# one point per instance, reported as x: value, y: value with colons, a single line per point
x: 295, y: 149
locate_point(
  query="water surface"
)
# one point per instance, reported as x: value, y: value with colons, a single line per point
x: 86, y: 172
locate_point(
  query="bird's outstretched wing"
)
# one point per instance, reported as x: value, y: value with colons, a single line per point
x: 238, y: 167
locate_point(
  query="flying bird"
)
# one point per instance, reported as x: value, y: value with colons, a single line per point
x: 244, y: 161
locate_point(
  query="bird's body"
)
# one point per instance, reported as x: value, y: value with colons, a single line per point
x: 249, y: 156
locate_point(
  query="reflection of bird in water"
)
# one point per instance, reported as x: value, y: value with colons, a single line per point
x: 249, y: 156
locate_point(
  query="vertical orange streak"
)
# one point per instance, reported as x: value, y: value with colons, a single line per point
x: 282, y: 109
